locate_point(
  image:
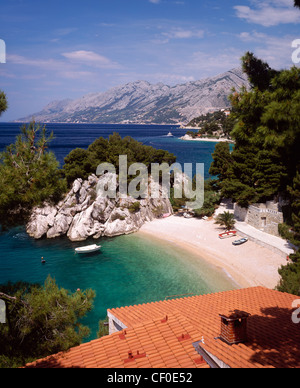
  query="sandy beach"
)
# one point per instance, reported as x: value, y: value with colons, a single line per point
x: 248, y: 265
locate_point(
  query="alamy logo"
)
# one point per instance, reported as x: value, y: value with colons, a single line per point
x: 2, y: 311
x: 296, y: 313
x: 296, y: 53
x: 158, y: 187
x: 2, y: 51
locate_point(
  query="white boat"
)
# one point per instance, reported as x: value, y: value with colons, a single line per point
x: 88, y: 249
x: 170, y: 134
x: 241, y: 241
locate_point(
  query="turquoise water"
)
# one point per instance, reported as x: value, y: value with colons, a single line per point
x: 129, y: 270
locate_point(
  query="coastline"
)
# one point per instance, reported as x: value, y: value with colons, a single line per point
x: 207, y: 139
x: 248, y: 265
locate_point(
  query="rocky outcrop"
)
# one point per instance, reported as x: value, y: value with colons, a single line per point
x: 85, y: 212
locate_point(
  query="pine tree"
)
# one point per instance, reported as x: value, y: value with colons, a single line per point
x: 29, y: 174
x: 41, y: 320
x: 294, y: 191
x: 267, y: 135
x: 221, y: 161
x: 259, y: 73
x: 3, y: 102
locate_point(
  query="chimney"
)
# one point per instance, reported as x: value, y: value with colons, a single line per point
x: 234, y: 327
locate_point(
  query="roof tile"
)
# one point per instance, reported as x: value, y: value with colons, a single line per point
x: 273, y: 340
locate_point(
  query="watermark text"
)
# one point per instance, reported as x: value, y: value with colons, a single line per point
x: 2, y: 51
x: 159, y: 186
x: 296, y: 53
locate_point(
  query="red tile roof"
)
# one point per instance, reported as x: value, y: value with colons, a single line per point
x: 163, y: 334
x: 154, y: 344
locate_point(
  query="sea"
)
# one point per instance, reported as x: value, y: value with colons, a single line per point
x: 128, y: 270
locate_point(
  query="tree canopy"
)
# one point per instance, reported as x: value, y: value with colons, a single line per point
x: 81, y: 163
x: 265, y: 161
x: 226, y: 219
x: 29, y: 174
x: 3, y: 102
x: 41, y: 320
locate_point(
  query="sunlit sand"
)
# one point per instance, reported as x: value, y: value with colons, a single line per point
x: 249, y: 264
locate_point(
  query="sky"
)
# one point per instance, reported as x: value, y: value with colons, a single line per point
x: 65, y: 49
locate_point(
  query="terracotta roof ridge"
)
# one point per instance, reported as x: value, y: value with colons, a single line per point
x: 190, y: 297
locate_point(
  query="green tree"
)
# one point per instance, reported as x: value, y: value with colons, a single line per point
x: 290, y: 278
x: 267, y: 134
x: 259, y: 73
x: 294, y: 192
x: 81, y: 163
x: 228, y: 124
x: 221, y: 161
x: 29, y: 174
x: 77, y: 165
x: 3, y: 102
x: 212, y: 198
x: 41, y: 320
x: 266, y: 159
x: 226, y: 219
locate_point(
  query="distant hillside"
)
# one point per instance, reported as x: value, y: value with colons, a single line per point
x: 142, y: 102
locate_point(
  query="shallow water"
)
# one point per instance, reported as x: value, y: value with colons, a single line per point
x: 128, y: 270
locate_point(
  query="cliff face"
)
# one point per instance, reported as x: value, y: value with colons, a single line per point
x: 142, y: 102
x: 83, y: 214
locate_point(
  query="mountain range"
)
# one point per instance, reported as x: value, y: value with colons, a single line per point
x: 143, y: 103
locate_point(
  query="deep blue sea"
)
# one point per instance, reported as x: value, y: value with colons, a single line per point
x: 70, y: 136
x: 129, y: 269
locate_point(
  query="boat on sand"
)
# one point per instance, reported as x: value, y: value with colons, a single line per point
x: 240, y: 242
x: 231, y: 233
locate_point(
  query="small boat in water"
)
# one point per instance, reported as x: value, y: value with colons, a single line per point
x: 88, y: 249
x: 170, y: 134
x: 240, y: 242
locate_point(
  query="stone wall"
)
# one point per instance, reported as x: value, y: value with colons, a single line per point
x: 264, y: 217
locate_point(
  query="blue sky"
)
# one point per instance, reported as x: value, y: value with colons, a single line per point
x: 66, y: 49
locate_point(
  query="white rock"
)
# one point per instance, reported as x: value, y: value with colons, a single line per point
x: 77, y: 185
x: 100, y: 216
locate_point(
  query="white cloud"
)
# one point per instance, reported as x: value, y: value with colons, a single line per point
x: 276, y: 51
x: 180, y: 33
x: 61, y: 68
x: 91, y: 58
x: 76, y: 74
x: 154, y: 1
x: 209, y: 64
x: 49, y: 64
x: 269, y: 12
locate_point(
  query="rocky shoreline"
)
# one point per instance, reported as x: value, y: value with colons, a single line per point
x: 83, y: 213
